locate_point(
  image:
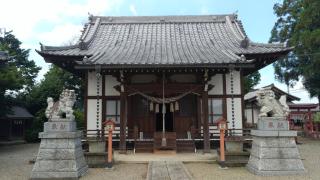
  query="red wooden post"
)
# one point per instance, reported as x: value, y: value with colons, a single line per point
x: 109, y: 124
x: 222, y: 127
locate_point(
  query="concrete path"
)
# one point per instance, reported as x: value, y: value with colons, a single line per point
x: 167, y: 170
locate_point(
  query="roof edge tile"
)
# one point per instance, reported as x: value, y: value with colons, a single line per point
x: 164, y: 19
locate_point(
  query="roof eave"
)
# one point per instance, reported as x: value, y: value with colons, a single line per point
x: 145, y: 66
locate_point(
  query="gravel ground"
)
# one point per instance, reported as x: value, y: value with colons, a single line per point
x: 14, y: 165
x: 14, y: 161
x: 309, y: 152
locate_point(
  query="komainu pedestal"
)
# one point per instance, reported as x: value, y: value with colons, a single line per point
x: 274, y: 151
x: 60, y: 153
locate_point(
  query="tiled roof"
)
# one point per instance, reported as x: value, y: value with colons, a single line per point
x: 19, y: 113
x: 164, y: 40
x: 251, y: 96
x: 304, y: 105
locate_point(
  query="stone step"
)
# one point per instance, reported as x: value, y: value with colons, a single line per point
x: 186, y: 146
x: 96, y: 159
x: 235, y: 158
x: 143, y: 146
x: 164, y: 151
x: 234, y: 163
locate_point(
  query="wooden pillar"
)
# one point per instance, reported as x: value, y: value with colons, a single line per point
x: 242, y: 98
x: 199, y: 123
x: 85, y: 101
x: 252, y: 114
x: 104, y: 106
x: 24, y: 129
x: 224, y: 84
x: 10, y: 129
x: 123, y: 122
x: 206, y: 137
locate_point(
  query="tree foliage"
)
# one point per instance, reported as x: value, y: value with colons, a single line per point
x: 18, y: 76
x: 18, y: 73
x: 55, y: 80
x: 316, y: 117
x: 298, y: 24
x: 251, y: 80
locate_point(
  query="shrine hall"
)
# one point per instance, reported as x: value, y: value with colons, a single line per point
x: 164, y: 80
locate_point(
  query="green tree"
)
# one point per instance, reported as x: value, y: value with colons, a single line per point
x: 298, y: 25
x: 55, y: 80
x: 18, y: 73
x: 251, y: 80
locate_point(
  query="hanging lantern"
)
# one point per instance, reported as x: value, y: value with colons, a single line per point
x: 157, y: 108
x: 151, y: 106
x: 171, y: 107
x: 176, y: 106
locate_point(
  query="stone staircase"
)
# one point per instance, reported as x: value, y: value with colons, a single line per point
x: 171, y: 143
x: 235, y: 155
x: 143, y: 146
x: 235, y: 159
x: 186, y: 146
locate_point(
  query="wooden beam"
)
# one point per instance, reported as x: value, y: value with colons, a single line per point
x: 170, y: 88
x: 225, y: 96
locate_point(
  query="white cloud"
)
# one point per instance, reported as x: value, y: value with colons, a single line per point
x: 24, y: 18
x: 133, y: 9
x: 61, y: 34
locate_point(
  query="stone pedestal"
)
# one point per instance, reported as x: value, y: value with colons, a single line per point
x: 274, y: 151
x: 97, y: 145
x: 60, y: 154
x: 234, y: 154
x: 234, y: 146
x: 97, y: 155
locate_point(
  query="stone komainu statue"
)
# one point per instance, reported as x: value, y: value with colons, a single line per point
x: 270, y: 106
x: 61, y: 109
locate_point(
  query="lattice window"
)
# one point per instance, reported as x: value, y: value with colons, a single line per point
x: 215, y: 109
x: 113, y: 110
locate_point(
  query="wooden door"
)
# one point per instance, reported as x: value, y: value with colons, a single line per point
x: 186, y: 117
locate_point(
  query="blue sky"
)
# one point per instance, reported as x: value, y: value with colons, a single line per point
x: 58, y: 22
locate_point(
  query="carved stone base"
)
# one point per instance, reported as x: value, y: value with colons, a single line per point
x: 274, y: 150
x: 60, y: 153
x: 273, y: 155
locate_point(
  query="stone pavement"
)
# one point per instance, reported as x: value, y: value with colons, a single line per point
x: 130, y: 157
x: 163, y: 170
